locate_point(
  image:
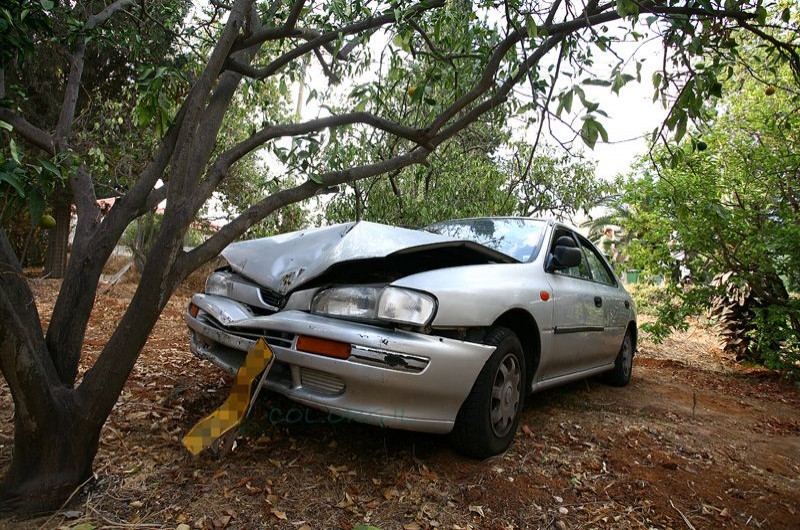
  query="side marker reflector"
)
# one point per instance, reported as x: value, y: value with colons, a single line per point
x: 545, y: 296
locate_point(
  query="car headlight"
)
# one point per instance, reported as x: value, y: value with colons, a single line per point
x: 406, y: 306
x: 219, y: 283
x: 347, y: 302
x: 393, y: 304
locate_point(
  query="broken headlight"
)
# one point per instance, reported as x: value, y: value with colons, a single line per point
x: 219, y: 283
x: 394, y: 304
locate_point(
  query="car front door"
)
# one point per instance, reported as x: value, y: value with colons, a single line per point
x: 578, y: 317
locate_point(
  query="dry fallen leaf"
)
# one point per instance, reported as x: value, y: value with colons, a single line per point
x: 389, y: 494
x: 347, y: 502
x: 477, y: 509
x: 279, y: 514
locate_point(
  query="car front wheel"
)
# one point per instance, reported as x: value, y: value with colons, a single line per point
x: 489, y: 417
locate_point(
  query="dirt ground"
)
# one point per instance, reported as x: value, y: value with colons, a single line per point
x: 694, y: 442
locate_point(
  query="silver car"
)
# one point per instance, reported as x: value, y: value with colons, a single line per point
x: 442, y: 330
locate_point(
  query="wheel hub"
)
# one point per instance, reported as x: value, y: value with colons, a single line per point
x: 506, y: 395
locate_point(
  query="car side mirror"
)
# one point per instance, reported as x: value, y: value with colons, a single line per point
x: 564, y: 257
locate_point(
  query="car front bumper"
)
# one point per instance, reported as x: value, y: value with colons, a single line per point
x: 393, y: 378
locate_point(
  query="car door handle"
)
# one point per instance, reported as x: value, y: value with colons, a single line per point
x: 598, y: 302
x: 627, y: 304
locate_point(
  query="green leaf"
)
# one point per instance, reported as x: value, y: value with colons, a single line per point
x: 602, y: 131
x: 12, y: 145
x: 786, y: 15
x: 36, y: 206
x: 47, y: 5
x: 564, y: 102
x: 84, y: 526
x: 13, y: 181
x: 627, y: 8
x: 6, y: 126
x: 315, y: 178
x: 533, y: 30
x: 680, y: 128
x: 589, y: 133
x: 49, y: 166
x: 596, y: 82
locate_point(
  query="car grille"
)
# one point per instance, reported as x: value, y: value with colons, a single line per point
x: 321, y: 382
x: 272, y: 298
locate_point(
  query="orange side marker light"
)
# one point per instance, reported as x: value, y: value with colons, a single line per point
x: 545, y: 296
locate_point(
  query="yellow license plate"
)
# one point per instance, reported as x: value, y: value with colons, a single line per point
x: 243, y: 393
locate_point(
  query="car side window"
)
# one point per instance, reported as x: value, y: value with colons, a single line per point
x: 600, y: 272
x: 579, y: 271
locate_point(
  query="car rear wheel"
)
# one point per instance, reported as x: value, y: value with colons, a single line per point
x: 623, y: 364
x: 489, y: 417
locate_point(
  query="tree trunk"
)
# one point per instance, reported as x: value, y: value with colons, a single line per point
x: 55, y: 264
x: 51, y: 459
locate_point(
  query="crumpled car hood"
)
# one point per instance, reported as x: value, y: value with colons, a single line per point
x: 285, y: 262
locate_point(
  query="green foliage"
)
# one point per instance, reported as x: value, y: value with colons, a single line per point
x: 731, y: 207
x: 647, y: 296
x: 549, y: 183
x: 774, y: 332
x: 20, y: 20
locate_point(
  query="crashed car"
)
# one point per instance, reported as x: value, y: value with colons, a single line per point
x: 442, y: 330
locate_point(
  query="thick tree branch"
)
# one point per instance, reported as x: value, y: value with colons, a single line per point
x: 33, y: 134
x: 221, y: 165
x: 85, y: 199
x: 214, y: 245
x: 110, y: 10
x: 23, y: 359
x: 294, y: 14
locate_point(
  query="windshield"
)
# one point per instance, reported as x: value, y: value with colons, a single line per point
x: 519, y: 238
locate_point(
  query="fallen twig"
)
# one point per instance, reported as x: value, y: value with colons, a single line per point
x: 685, y: 519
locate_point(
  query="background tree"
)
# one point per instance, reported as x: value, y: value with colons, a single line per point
x: 110, y: 60
x: 58, y: 417
x: 728, y: 200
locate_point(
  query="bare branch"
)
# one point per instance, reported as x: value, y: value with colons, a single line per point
x: 67, y: 115
x: 101, y: 17
x: 324, y: 39
x: 33, y: 134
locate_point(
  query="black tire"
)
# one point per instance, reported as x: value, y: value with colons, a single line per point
x: 489, y: 417
x: 623, y: 364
